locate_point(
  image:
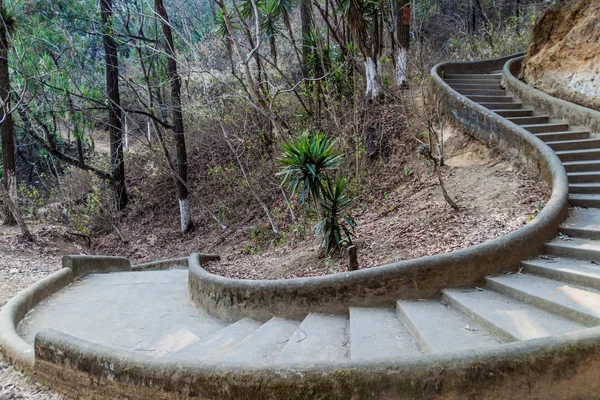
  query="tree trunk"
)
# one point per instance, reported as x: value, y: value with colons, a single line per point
x: 305, y: 21
x: 115, y: 128
x: 371, y: 78
x: 7, y: 128
x: 403, y: 39
x: 178, y: 130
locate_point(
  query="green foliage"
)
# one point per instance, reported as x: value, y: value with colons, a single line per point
x: 305, y: 163
x: 31, y: 200
x: 337, y: 226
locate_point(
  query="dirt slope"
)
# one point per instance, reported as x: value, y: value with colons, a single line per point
x: 564, y: 58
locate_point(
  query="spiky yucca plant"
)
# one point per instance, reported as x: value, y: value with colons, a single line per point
x: 305, y: 163
x: 337, y: 226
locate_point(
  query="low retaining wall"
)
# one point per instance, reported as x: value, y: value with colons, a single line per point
x: 574, y: 114
x: 539, y: 369
x: 232, y: 299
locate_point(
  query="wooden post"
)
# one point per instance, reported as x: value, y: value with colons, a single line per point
x: 352, y: 258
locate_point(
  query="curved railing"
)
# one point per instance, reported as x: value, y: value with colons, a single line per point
x: 424, y: 277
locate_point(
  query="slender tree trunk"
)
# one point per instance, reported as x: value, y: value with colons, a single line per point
x: 403, y: 39
x: 7, y: 128
x: 178, y: 129
x: 115, y: 129
x: 306, y: 22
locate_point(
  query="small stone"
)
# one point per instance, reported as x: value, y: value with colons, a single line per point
x: 14, y: 271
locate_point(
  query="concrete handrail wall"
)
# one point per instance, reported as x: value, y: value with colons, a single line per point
x: 560, y: 367
x: 19, y: 352
x: 425, y: 277
x: 574, y: 114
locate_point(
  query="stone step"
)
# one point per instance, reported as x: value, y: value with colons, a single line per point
x: 507, y: 318
x: 218, y: 343
x: 481, y: 92
x: 584, y: 188
x: 584, y: 177
x: 546, y: 128
x: 264, y: 344
x: 579, y: 155
x: 319, y: 338
x: 569, y: 270
x: 490, y: 99
x: 579, y: 248
x: 582, y: 165
x: 507, y: 113
x: 536, y: 119
x: 437, y: 328
x: 582, y: 223
x: 578, y: 304
x: 568, y: 135
x: 474, y: 77
x: 581, y: 144
x: 584, y: 200
x: 377, y: 333
x: 472, y: 81
x: 476, y: 86
x: 502, y: 106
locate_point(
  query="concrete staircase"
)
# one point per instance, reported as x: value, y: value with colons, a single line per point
x: 557, y: 293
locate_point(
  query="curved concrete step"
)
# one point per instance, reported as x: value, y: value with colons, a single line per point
x: 474, y: 77
x: 578, y: 144
x: 578, y: 248
x: 546, y: 128
x: 585, y: 200
x: 560, y: 136
x: 468, y: 86
x: 507, y: 318
x: 584, y: 177
x: 582, y: 165
x: 490, y: 99
x: 582, y: 223
x: 438, y: 328
x: 263, y: 345
x: 569, y: 270
x: 500, y: 106
x: 482, y: 92
x: 584, y: 188
x: 505, y: 112
x: 575, y: 247
x: 535, y: 119
x: 579, y: 155
x: 218, y: 343
x: 319, y: 338
x: 377, y: 333
x: 581, y: 305
x: 483, y: 81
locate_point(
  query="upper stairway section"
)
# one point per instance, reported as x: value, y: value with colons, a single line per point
x: 460, y: 87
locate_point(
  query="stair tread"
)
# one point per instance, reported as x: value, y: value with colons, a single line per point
x: 582, y: 219
x: 264, y: 344
x: 578, y: 272
x: 592, y: 140
x: 577, y: 300
x: 439, y: 328
x: 377, y: 333
x: 219, y: 342
x: 579, y: 151
x: 515, y: 319
x: 319, y: 338
x: 576, y: 243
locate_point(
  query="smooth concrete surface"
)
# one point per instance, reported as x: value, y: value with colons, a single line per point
x: 579, y: 304
x: 508, y: 318
x: 437, y: 328
x: 147, y: 312
x: 569, y: 270
x: 377, y: 333
x: 319, y: 338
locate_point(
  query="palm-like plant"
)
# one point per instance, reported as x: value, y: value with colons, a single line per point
x: 336, y: 201
x: 305, y: 163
